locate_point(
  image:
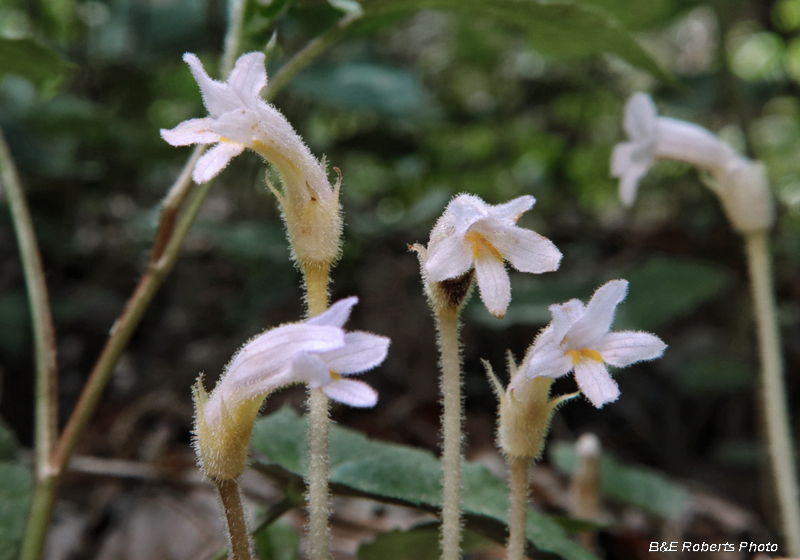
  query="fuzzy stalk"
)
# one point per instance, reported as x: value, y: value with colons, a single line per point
x: 518, y: 514
x: 239, y: 538
x: 452, y: 420
x: 773, y: 389
x: 316, y: 280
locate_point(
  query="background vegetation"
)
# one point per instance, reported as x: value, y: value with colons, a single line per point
x: 413, y: 107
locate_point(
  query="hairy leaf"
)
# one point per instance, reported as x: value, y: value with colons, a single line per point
x: 401, y: 475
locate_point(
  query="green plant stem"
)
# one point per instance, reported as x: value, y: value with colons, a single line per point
x: 233, y: 36
x: 518, y: 514
x: 316, y: 285
x: 239, y: 538
x: 166, y: 248
x: 44, y: 336
x: 779, y: 438
x: 162, y: 261
x: 125, y: 326
x: 452, y: 420
x: 308, y: 53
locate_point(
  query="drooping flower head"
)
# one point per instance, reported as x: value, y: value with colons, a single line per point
x: 317, y: 352
x: 741, y: 184
x: 474, y: 235
x: 578, y: 339
x: 237, y: 119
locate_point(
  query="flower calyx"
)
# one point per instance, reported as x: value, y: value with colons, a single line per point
x: 525, y: 412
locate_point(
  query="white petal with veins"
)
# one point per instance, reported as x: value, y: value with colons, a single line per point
x: 595, y: 382
x: 215, y: 160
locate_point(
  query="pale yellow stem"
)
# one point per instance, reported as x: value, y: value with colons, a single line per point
x: 316, y: 285
x: 776, y: 414
x: 518, y: 515
x: 452, y: 419
x: 316, y: 280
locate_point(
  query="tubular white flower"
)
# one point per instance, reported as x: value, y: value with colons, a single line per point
x: 237, y: 119
x: 578, y: 338
x: 317, y: 352
x: 472, y: 233
x: 740, y: 184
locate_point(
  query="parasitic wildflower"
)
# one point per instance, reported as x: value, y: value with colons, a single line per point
x: 474, y: 235
x: 578, y: 338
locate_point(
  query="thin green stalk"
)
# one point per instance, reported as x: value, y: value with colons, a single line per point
x: 776, y: 413
x: 452, y: 420
x: 44, y: 334
x: 518, y: 514
x: 124, y: 327
x: 308, y: 53
x: 233, y: 37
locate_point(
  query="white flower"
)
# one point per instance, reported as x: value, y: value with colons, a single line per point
x: 740, y: 184
x: 578, y: 338
x: 472, y: 233
x: 653, y: 138
x: 237, y: 119
x: 317, y: 352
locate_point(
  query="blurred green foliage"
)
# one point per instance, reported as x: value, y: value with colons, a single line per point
x: 644, y: 488
x: 15, y: 490
x: 418, y: 543
x: 498, y: 99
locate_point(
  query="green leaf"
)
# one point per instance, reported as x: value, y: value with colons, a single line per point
x: 271, y: 9
x: 565, y: 29
x: 34, y: 61
x: 365, y: 87
x: 638, y: 486
x: 277, y: 541
x: 400, y: 475
x: 419, y: 543
x: 349, y: 7
x: 15, y: 494
x: 663, y: 289
x: 8, y: 444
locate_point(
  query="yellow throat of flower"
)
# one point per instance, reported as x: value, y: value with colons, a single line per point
x: 479, y: 243
x: 584, y: 353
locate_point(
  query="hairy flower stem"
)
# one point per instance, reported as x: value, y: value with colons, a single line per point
x: 316, y: 285
x: 239, y: 538
x: 773, y: 394
x: 452, y: 419
x: 518, y: 514
x: 318, y: 493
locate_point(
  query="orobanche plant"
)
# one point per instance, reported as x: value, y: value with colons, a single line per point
x: 472, y: 243
x: 743, y: 189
